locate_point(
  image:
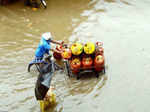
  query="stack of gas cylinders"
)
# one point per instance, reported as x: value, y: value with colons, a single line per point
x: 85, y: 56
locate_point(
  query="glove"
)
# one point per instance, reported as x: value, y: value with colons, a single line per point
x: 62, y: 42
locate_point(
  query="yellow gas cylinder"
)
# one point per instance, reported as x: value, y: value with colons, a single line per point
x: 89, y: 48
x: 66, y: 54
x: 77, y: 48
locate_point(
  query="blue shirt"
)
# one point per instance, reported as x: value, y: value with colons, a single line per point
x: 43, y: 47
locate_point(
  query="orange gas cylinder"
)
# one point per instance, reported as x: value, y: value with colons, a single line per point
x: 66, y: 54
x: 87, y: 62
x: 99, y: 62
x: 57, y: 55
x: 75, y: 65
x: 99, y: 48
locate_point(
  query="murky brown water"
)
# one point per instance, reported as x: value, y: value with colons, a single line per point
x: 123, y: 26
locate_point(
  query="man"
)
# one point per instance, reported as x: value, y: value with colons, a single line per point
x: 44, y: 46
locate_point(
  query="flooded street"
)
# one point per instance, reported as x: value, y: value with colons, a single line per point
x: 123, y: 27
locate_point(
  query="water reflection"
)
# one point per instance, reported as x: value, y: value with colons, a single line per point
x: 86, y: 85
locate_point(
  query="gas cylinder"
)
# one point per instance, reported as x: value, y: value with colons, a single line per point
x: 66, y: 54
x: 89, y: 48
x: 87, y: 62
x: 99, y: 48
x: 57, y: 55
x: 75, y: 65
x: 99, y: 63
x: 76, y: 49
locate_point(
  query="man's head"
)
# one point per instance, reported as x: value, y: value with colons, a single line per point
x: 47, y: 36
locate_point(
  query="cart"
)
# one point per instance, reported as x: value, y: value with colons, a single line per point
x: 99, y: 51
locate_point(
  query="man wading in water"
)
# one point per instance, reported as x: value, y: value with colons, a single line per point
x: 44, y: 46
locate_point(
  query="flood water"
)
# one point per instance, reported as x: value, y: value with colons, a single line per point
x: 123, y: 27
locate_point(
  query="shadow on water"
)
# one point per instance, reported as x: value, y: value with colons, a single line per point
x: 86, y: 84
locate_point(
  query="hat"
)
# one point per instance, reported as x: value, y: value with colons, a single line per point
x: 47, y: 35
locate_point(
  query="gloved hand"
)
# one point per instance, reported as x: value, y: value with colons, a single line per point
x: 62, y: 42
x: 63, y: 45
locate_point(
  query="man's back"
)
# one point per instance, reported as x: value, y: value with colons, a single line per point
x: 43, y: 48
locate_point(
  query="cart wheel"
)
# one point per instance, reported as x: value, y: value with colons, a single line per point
x: 78, y: 77
x: 67, y: 68
x: 104, y: 70
x: 97, y: 75
x: 29, y: 66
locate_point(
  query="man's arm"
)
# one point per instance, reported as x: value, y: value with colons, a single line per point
x: 53, y: 50
x: 56, y: 42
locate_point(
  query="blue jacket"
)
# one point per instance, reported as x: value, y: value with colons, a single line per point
x: 43, y: 47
